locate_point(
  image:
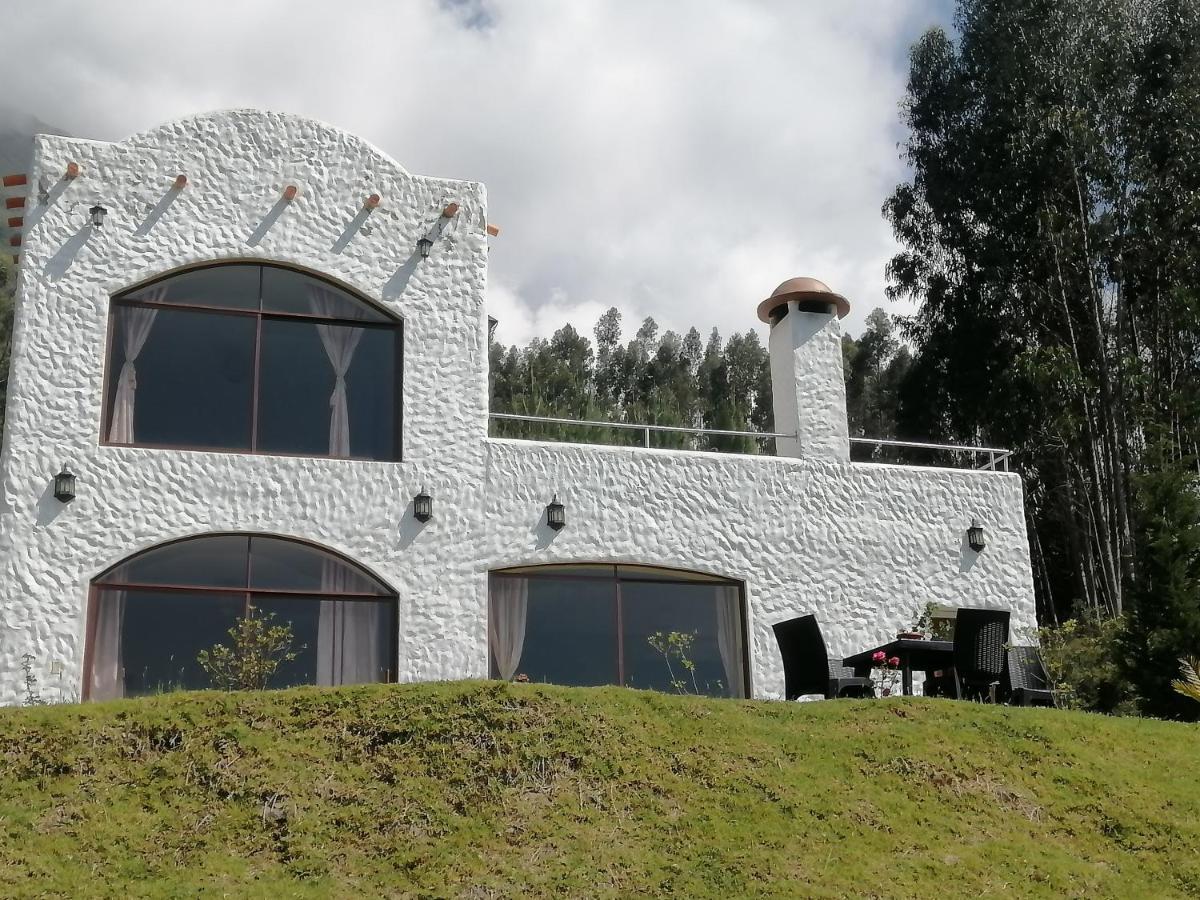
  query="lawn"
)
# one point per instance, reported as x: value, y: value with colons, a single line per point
x: 483, y: 790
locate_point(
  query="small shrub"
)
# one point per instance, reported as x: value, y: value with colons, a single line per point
x: 1082, y: 658
x: 258, y: 649
x: 33, y: 696
x: 677, y: 645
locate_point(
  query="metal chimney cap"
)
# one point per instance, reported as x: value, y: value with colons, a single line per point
x: 803, y: 290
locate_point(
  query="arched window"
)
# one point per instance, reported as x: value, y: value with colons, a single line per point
x: 633, y: 625
x: 152, y: 614
x: 252, y: 358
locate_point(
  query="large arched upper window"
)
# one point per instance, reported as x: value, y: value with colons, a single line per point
x: 151, y: 615
x: 633, y: 625
x: 254, y: 358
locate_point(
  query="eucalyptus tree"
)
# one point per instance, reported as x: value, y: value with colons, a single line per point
x: 1049, y: 231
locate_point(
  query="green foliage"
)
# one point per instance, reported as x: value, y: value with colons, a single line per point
x: 677, y: 645
x: 875, y: 367
x: 1048, y: 230
x: 1083, y: 660
x: 680, y: 381
x: 29, y: 682
x: 1188, y: 683
x: 257, y: 648
x: 499, y: 790
x: 656, y: 379
x: 1164, y: 616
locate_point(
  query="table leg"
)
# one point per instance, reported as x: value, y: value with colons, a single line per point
x: 906, y: 676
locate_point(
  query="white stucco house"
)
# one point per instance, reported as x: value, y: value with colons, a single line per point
x: 259, y: 347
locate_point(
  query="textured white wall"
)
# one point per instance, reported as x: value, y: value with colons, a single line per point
x: 238, y: 164
x: 860, y: 545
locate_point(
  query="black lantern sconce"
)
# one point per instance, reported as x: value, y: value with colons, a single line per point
x: 424, y: 245
x: 64, y: 486
x: 423, y: 506
x: 97, y: 213
x: 556, y: 514
x: 975, y: 536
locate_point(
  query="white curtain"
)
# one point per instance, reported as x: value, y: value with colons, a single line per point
x: 340, y: 343
x: 135, y: 322
x: 729, y: 638
x: 508, y: 602
x: 108, y: 667
x: 351, y: 645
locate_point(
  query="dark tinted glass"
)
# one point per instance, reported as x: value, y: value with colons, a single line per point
x: 335, y: 641
x: 195, y: 377
x: 295, y: 383
x: 199, y: 374
x: 289, y: 291
x: 162, y: 633
x: 570, y: 632
x: 282, y: 565
x: 372, y: 385
x: 218, y: 561
x: 653, y: 612
x: 232, y: 286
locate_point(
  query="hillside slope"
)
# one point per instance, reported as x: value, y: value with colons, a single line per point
x: 494, y: 790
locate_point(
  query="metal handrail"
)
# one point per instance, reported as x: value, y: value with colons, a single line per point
x: 640, y: 427
x: 995, y: 454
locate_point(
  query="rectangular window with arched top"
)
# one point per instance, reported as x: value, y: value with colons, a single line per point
x: 637, y: 626
x: 253, y: 358
x: 151, y: 616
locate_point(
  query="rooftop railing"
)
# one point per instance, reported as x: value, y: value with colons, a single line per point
x: 871, y: 450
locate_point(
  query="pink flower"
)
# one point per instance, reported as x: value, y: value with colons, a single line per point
x: 894, y: 662
x: 878, y: 656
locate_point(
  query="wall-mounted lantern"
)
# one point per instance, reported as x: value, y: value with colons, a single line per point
x: 424, y: 245
x: 423, y: 506
x: 556, y: 514
x: 975, y: 536
x: 97, y: 213
x: 64, y: 486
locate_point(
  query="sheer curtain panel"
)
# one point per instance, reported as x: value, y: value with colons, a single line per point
x: 135, y: 323
x: 729, y: 638
x: 508, y: 599
x: 350, y: 643
x: 340, y: 342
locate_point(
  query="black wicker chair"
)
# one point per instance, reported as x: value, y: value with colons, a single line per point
x: 1025, y: 679
x: 979, y: 639
x: 807, y: 668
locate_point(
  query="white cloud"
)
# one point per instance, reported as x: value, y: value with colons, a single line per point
x: 672, y: 159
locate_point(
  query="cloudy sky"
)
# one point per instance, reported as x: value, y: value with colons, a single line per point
x: 673, y: 158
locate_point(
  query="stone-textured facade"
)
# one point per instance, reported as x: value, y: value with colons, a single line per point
x: 858, y: 544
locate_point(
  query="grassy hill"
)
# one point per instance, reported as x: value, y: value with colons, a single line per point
x: 485, y: 790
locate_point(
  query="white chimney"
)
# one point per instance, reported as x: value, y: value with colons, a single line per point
x: 807, y: 384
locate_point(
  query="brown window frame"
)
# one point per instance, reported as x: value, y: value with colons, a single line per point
x: 614, y: 575
x: 99, y: 583
x: 123, y: 299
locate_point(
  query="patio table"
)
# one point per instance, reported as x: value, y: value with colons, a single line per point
x: 913, y: 654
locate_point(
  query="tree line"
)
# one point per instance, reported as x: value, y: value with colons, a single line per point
x: 1051, y: 232
x: 663, y: 378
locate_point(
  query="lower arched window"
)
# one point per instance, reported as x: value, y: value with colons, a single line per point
x: 151, y: 615
x: 637, y: 626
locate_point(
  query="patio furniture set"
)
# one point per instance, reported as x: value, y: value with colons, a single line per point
x: 979, y: 663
